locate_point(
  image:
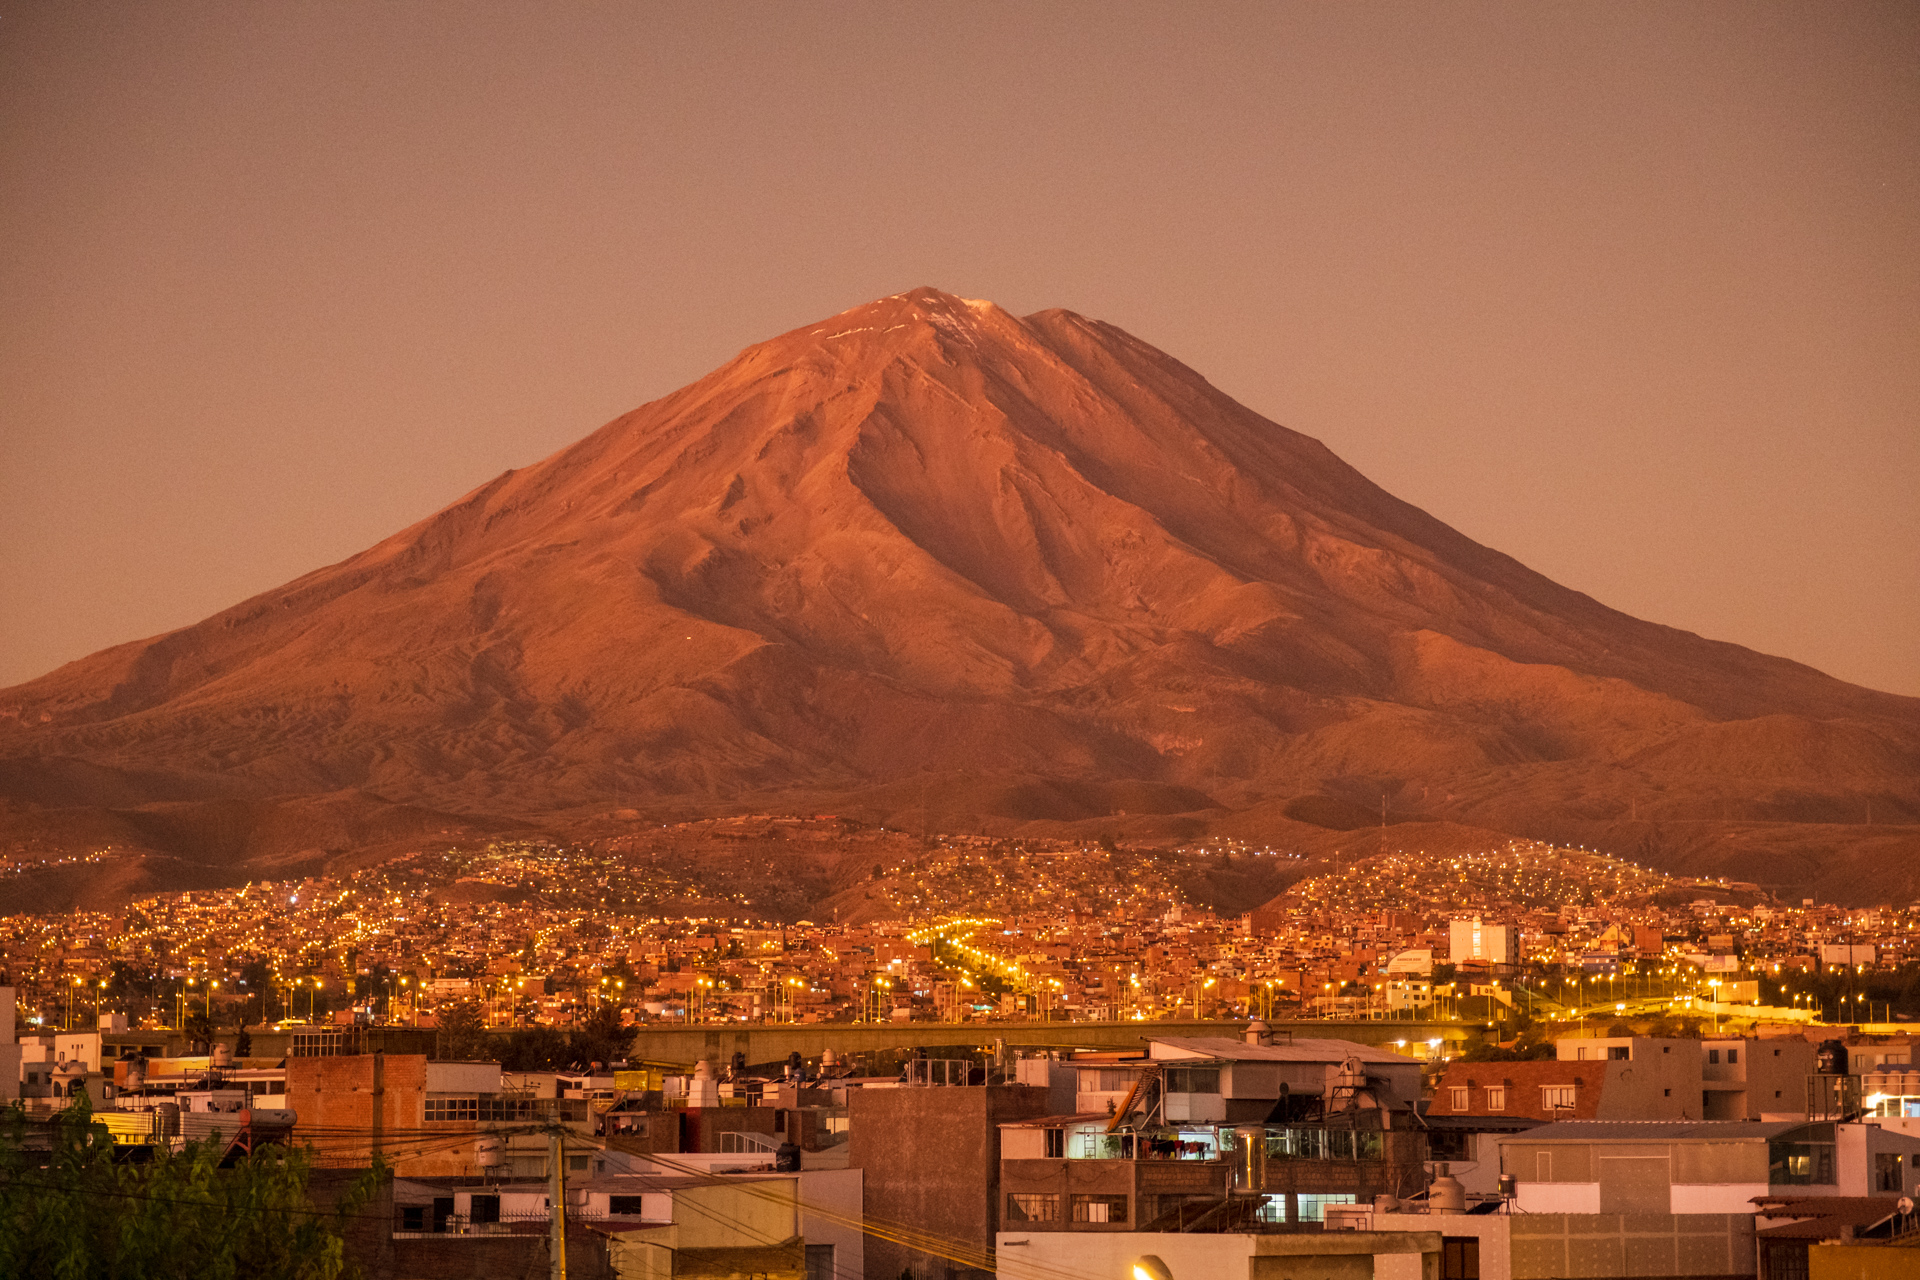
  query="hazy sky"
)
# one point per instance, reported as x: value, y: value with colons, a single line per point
x: 1630, y: 292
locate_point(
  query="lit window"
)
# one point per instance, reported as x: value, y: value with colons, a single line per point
x: 1099, y: 1208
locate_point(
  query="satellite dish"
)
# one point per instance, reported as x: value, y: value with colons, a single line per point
x: 1904, y: 1204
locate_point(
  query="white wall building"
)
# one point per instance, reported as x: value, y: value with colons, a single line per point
x: 1484, y: 942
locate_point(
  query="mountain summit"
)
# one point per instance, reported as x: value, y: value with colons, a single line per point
x: 926, y: 538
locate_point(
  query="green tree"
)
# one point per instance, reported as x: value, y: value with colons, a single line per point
x: 463, y: 1033
x: 73, y: 1211
x: 600, y: 1038
x: 534, y: 1049
x: 199, y: 1029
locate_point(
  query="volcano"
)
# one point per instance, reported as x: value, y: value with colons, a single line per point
x: 1030, y: 561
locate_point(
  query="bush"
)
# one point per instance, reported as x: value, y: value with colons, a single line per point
x: 79, y: 1212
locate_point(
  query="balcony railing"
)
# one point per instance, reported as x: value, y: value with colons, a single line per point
x: 1282, y: 1144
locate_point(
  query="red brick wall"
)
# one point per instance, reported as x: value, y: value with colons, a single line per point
x: 345, y: 1106
x: 1523, y: 1082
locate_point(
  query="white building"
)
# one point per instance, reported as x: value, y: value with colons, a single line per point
x: 10, y: 1067
x: 1483, y: 942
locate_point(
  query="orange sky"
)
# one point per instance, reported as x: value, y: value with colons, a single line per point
x: 1630, y: 292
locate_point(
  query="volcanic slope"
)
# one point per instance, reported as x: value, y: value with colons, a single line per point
x: 926, y: 539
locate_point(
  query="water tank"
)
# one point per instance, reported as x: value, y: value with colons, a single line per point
x: 136, y: 1076
x: 786, y: 1159
x: 1509, y: 1186
x: 489, y: 1152
x: 222, y: 1055
x: 1830, y: 1059
x: 1446, y: 1195
x: 1252, y: 1141
x: 1386, y: 1202
x: 1258, y: 1032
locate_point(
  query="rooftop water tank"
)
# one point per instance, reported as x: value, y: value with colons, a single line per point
x: 1446, y: 1195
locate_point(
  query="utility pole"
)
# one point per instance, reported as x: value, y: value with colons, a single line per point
x: 557, y: 1194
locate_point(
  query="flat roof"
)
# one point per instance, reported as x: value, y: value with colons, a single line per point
x: 1301, y: 1050
x: 1054, y: 1122
x: 1667, y: 1130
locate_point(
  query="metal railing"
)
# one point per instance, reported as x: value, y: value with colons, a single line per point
x: 747, y: 1142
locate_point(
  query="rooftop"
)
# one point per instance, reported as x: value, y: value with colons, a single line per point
x: 1299, y: 1050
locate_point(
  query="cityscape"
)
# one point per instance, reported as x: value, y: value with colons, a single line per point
x: 544, y: 935
x: 979, y: 642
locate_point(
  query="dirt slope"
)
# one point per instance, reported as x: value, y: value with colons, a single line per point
x: 926, y: 539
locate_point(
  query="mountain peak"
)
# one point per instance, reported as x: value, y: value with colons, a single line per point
x: 926, y: 536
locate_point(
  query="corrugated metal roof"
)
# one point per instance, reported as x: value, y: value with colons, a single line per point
x: 1328, y: 1051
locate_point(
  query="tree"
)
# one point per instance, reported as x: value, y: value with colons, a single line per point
x: 535, y: 1049
x: 199, y: 1029
x: 79, y: 1213
x: 463, y: 1032
x: 600, y: 1038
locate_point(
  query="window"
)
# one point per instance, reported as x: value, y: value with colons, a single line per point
x: 448, y: 1110
x: 820, y: 1262
x: 1056, y: 1143
x: 1799, y: 1164
x: 1313, y: 1207
x: 1554, y: 1096
x: 486, y: 1209
x: 625, y: 1207
x: 1459, y: 1258
x: 1496, y: 1098
x: 1099, y: 1208
x: 576, y: 1164
x: 1459, y: 1099
x: 413, y: 1217
x: 1733, y: 1057
x: 1713, y: 1057
x: 1619, y: 1053
x: 1886, y: 1171
x: 1668, y: 1093
x: 1193, y: 1080
x: 1448, y: 1144
x: 1024, y: 1207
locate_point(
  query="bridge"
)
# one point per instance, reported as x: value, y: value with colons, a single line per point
x: 773, y: 1042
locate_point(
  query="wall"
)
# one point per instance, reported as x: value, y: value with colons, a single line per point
x: 1341, y: 1255
x: 832, y: 1205
x: 370, y: 1243
x: 1548, y: 1246
x: 9, y: 1047
x: 1860, y: 1262
x: 932, y: 1164
x: 350, y: 1107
